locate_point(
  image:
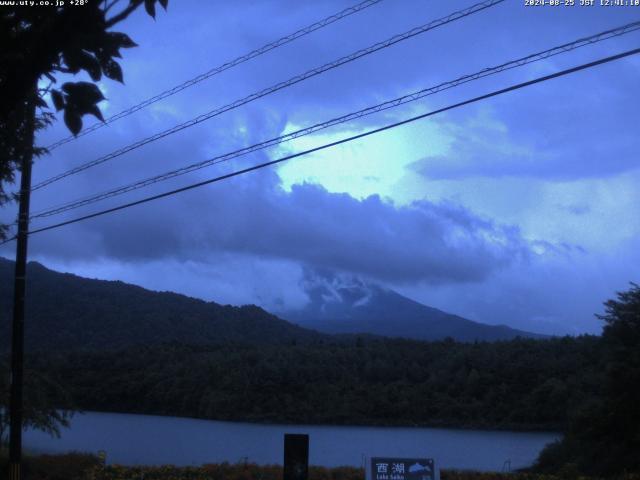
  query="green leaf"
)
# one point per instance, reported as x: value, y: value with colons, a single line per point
x: 58, y: 99
x: 78, y: 59
x: 95, y: 111
x: 73, y: 121
x: 150, y: 7
x: 90, y: 64
x: 71, y: 60
x: 112, y: 70
x: 122, y: 39
x: 68, y: 87
x: 83, y: 93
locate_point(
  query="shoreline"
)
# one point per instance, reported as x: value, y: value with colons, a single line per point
x: 275, y: 422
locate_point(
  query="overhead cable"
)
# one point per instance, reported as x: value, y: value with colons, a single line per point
x: 279, y: 86
x: 221, y: 68
x: 342, y: 141
x: 536, y: 57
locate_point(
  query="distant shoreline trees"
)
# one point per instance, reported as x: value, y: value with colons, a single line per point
x: 503, y: 385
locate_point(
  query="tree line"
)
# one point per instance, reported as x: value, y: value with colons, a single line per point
x: 519, y: 384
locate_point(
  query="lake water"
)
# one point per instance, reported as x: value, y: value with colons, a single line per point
x: 153, y: 440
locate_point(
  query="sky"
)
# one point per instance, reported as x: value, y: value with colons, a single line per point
x: 520, y: 210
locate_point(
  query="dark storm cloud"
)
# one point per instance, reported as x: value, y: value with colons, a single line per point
x: 422, y: 241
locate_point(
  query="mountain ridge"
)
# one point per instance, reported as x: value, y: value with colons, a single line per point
x: 75, y: 312
x: 350, y: 306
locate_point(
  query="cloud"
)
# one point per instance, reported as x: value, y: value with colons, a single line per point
x: 555, y: 293
x: 253, y: 216
x: 533, y: 134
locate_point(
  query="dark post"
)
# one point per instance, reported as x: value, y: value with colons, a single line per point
x: 296, y: 456
x: 17, y: 333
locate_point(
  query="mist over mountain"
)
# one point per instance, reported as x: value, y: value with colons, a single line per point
x: 345, y: 304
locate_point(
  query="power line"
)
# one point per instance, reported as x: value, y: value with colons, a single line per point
x: 279, y: 86
x: 615, y: 32
x: 344, y: 140
x: 221, y: 68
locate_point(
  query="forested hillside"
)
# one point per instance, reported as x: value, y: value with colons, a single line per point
x: 65, y: 311
x: 527, y: 384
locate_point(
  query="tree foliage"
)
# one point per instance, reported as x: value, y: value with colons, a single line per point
x: 40, y: 395
x: 523, y: 384
x: 38, y: 44
x: 604, y: 435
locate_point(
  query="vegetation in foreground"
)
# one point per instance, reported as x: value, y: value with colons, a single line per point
x: 69, y: 466
x: 80, y: 466
x: 603, y: 436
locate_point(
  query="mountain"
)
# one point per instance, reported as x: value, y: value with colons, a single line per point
x: 342, y: 305
x: 65, y: 311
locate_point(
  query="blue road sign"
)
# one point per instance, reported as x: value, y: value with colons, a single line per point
x: 383, y: 468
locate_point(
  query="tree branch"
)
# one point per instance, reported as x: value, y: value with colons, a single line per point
x: 124, y: 13
x: 108, y: 6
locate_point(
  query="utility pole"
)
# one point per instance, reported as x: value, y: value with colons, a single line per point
x: 17, y: 332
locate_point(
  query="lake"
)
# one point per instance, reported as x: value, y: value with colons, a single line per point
x: 154, y: 440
